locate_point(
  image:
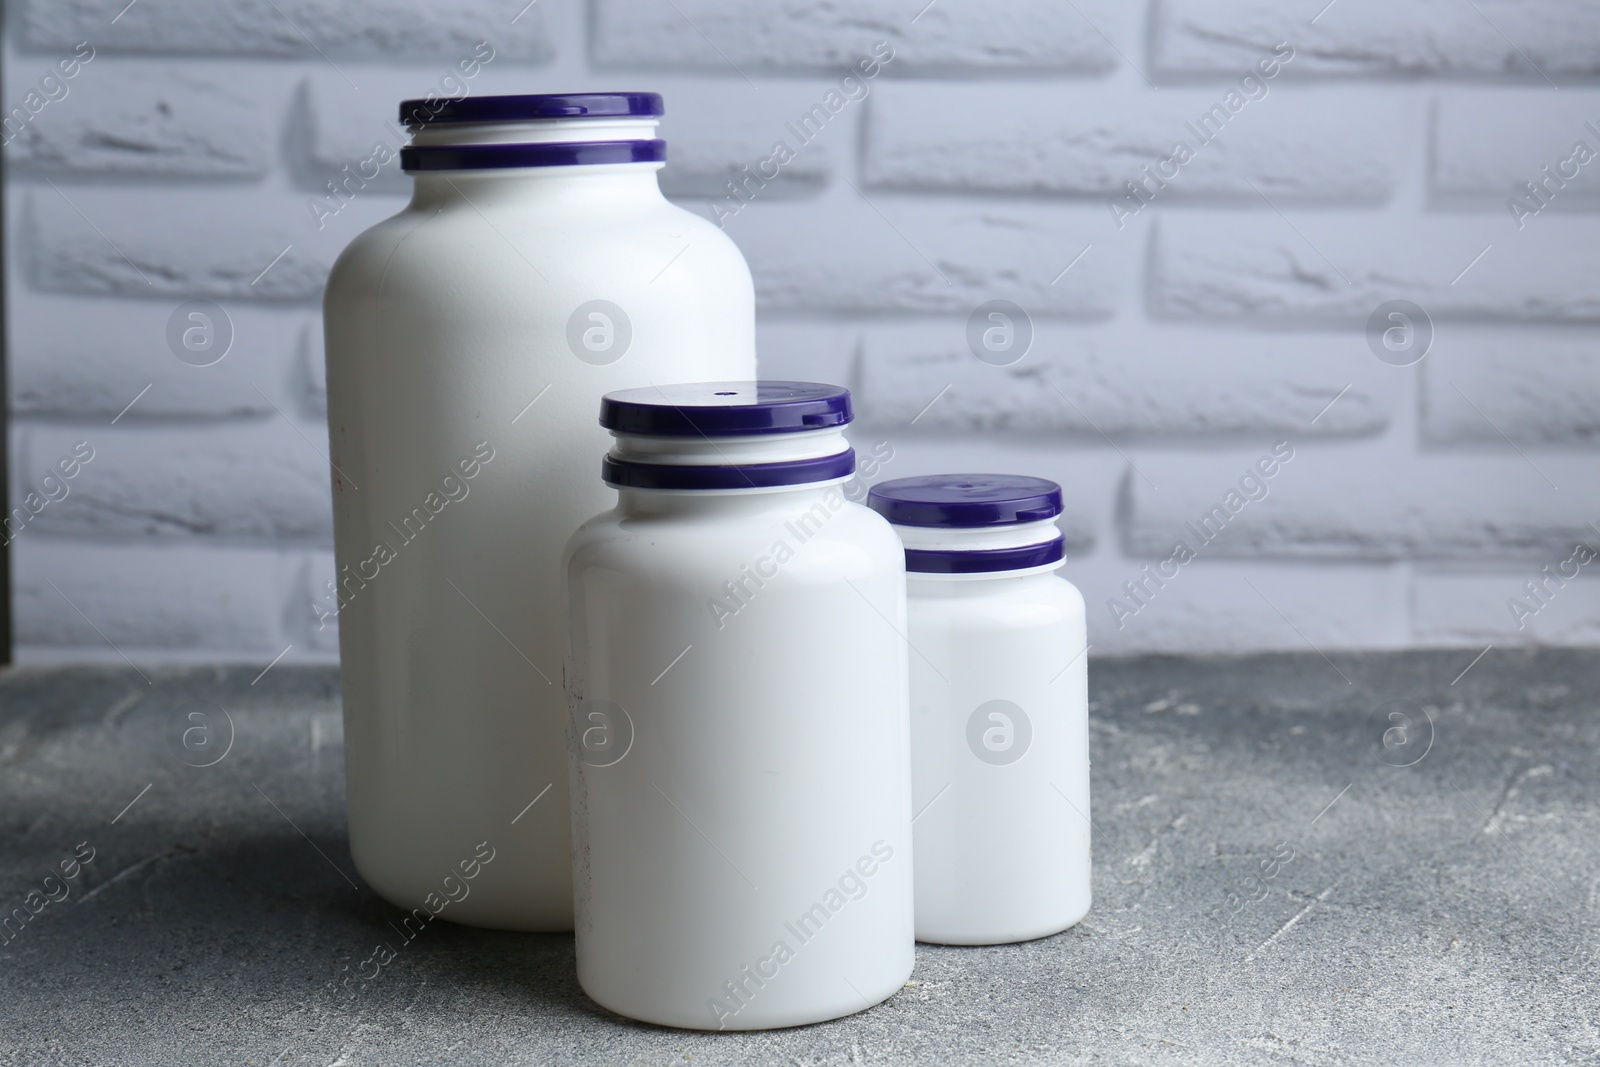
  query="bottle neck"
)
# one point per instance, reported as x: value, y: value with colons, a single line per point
x: 1003, y: 583
x: 614, y: 185
x: 644, y: 467
x: 732, y: 504
x: 536, y: 131
x: 978, y: 538
x: 952, y: 554
x: 720, y: 451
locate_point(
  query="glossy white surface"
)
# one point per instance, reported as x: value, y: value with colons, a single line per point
x: 449, y: 332
x: 740, y: 773
x: 1000, y: 756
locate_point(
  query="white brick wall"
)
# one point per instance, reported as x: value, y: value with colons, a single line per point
x: 1515, y: 39
x: 952, y: 38
x: 1088, y: 139
x: 1175, y: 331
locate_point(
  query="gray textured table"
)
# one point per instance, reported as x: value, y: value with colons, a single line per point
x: 1445, y: 911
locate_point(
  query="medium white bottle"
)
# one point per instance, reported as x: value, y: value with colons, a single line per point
x: 740, y: 758
x: 999, y: 698
x: 469, y: 339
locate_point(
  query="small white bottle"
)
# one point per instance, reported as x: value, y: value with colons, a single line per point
x: 739, y: 746
x: 999, y: 698
x: 536, y: 268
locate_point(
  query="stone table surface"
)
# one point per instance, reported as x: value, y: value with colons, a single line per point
x: 1442, y: 902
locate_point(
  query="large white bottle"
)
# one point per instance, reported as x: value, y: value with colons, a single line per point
x: 469, y: 340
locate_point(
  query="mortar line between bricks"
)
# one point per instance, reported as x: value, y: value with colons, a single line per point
x: 274, y: 263
x: 1330, y: 403
x: 897, y: 230
x: 99, y: 231
x: 930, y: 403
x: 1513, y: 44
x: 1107, y: 439
x: 1112, y: 44
x: 1474, y: 263
x: 313, y: 44
x: 1069, y: 266
x: 1507, y: 440
x: 132, y: 402
x: 713, y: 44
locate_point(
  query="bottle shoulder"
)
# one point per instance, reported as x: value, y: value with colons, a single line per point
x: 691, y: 540
x: 424, y: 249
x: 1047, y: 600
x: 373, y: 245
x: 1068, y: 593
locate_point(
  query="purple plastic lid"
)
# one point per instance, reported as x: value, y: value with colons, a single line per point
x: 530, y: 106
x: 966, y: 500
x: 725, y: 409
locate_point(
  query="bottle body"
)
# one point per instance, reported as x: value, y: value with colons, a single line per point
x: 744, y: 861
x: 1000, y: 707
x: 468, y: 341
x: 1000, y: 757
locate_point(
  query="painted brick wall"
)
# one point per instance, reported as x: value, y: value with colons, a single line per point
x: 1198, y: 359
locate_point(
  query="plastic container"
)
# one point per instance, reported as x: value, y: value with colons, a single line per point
x: 740, y: 758
x: 999, y: 698
x: 469, y: 339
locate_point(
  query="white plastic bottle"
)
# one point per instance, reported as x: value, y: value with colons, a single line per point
x: 999, y: 698
x: 469, y: 339
x: 740, y: 756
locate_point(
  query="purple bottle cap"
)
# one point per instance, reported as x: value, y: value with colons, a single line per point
x: 530, y: 106
x: 526, y: 108
x: 966, y: 500
x: 971, y: 501
x: 725, y: 409
x: 708, y: 410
